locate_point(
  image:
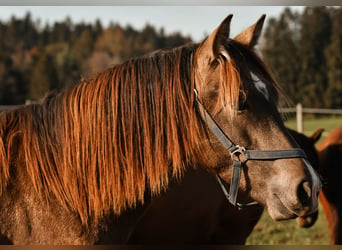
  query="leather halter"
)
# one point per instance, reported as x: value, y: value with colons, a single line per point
x: 240, y: 155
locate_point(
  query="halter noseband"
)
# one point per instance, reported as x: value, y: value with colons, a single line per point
x: 240, y: 155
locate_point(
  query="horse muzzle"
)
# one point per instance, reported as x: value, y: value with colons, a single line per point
x: 294, y: 196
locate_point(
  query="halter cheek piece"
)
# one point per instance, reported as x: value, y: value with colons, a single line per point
x: 240, y: 155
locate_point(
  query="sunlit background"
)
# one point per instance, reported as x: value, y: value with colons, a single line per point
x: 194, y: 21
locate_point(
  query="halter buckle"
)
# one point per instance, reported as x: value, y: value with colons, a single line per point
x: 238, y: 154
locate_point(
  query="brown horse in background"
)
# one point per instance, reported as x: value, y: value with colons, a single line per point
x: 82, y: 166
x: 330, y: 156
x: 196, y: 211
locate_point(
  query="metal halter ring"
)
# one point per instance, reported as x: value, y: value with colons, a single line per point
x: 237, y: 152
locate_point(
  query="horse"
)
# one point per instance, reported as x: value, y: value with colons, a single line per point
x: 81, y: 166
x: 196, y: 211
x: 308, y: 145
x: 330, y: 157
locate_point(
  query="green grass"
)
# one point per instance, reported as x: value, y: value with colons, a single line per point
x: 269, y: 232
x: 311, y: 125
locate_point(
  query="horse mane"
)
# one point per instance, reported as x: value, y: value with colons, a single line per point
x: 98, y: 146
x: 5, y: 137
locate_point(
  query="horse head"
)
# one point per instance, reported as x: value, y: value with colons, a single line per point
x: 237, y: 99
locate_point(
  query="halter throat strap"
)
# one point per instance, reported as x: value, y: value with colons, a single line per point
x: 240, y: 155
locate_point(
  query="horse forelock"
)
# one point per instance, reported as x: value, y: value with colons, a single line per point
x: 98, y: 146
x: 237, y: 65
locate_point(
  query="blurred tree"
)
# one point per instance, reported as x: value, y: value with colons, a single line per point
x: 12, y: 32
x: 280, y: 51
x: 82, y: 47
x: 315, y: 37
x: 60, y: 53
x: 176, y: 39
x: 12, y: 91
x: 333, y: 55
x: 29, y: 32
x: 97, y: 29
x: 112, y: 41
x: 98, y: 62
x: 45, y: 36
x: 71, y: 70
x: 147, y: 39
x: 61, y: 31
x: 43, y: 77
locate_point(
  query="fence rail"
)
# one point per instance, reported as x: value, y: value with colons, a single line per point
x: 8, y: 107
x: 299, y: 110
x: 313, y: 111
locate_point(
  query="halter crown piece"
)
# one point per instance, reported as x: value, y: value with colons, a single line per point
x: 240, y: 155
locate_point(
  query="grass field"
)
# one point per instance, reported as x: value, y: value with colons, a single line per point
x: 270, y: 232
x: 311, y: 125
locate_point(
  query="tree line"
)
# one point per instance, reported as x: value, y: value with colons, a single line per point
x: 303, y: 49
x: 35, y: 59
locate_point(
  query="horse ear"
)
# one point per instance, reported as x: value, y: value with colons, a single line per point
x: 211, y: 48
x: 220, y: 36
x: 316, y: 135
x: 250, y: 36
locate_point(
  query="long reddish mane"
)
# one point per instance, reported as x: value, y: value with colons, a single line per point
x: 98, y: 146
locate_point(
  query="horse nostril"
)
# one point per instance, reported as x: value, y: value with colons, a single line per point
x: 304, y: 193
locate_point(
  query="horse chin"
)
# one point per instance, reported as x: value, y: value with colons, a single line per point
x: 278, y: 211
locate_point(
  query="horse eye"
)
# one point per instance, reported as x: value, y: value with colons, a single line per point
x: 242, y: 105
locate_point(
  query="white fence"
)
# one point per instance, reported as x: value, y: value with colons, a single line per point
x: 299, y: 110
x: 7, y: 107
